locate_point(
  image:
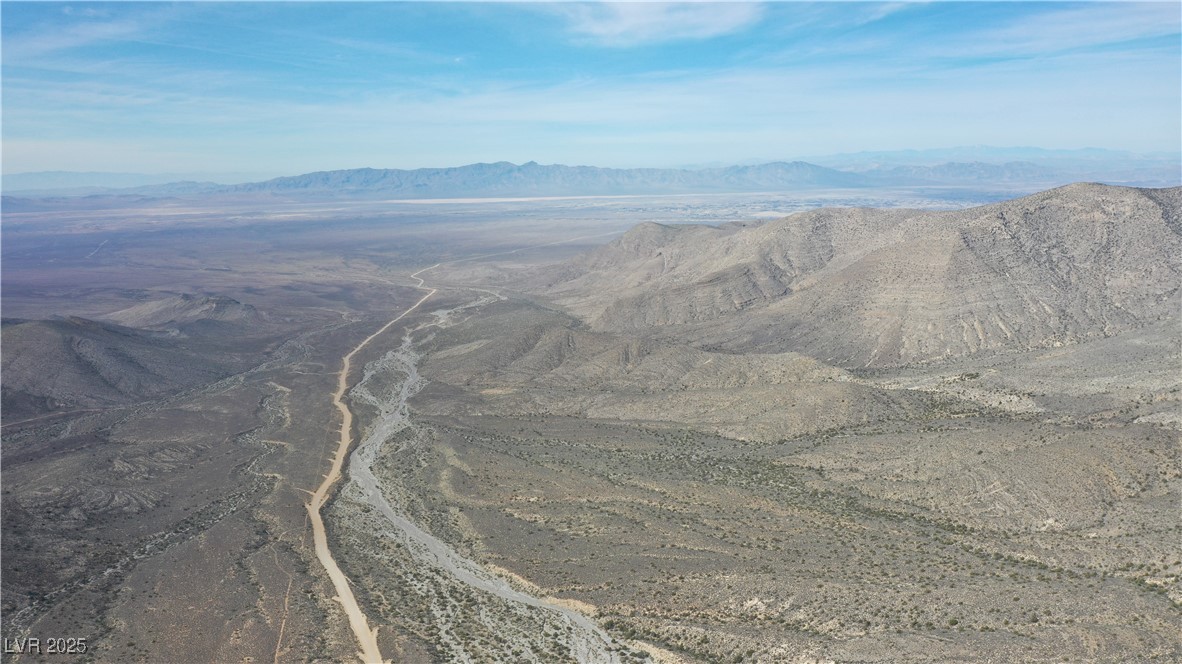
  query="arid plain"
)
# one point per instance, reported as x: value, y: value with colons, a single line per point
x: 681, y: 428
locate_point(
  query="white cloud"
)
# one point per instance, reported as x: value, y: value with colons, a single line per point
x: 162, y: 117
x: 654, y: 119
x: 82, y: 28
x: 1090, y: 25
x: 30, y: 47
x: 636, y: 23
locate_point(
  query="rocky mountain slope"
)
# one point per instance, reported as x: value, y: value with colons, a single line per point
x: 145, y: 351
x: 187, y: 311
x: 864, y: 435
x: 864, y: 288
x: 548, y: 365
x: 80, y: 363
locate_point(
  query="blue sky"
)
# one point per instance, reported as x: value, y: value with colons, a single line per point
x: 283, y: 88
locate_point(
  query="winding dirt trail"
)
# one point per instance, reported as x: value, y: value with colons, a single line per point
x: 366, y: 638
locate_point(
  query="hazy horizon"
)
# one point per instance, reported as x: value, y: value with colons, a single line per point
x: 280, y: 89
x: 1071, y: 158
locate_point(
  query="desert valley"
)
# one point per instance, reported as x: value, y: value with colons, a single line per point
x: 675, y: 427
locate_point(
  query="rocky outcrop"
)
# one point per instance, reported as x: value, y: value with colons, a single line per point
x: 860, y: 287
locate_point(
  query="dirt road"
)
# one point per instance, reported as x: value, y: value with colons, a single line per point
x: 590, y: 643
x: 366, y: 638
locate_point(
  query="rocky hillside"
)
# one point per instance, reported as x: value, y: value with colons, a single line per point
x: 74, y: 363
x: 864, y: 287
x: 187, y: 311
x: 525, y: 360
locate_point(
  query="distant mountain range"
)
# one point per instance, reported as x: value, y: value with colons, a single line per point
x: 78, y: 183
x: 505, y: 179
x: 533, y: 179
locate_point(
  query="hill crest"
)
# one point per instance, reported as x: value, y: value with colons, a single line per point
x: 866, y: 287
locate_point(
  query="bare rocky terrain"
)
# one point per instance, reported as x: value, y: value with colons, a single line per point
x: 867, y: 288
x: 146, y: 351
x: 848, y: 435
x: 845, y: 434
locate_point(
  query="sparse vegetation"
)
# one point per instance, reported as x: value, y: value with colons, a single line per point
x: 696, y: 498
